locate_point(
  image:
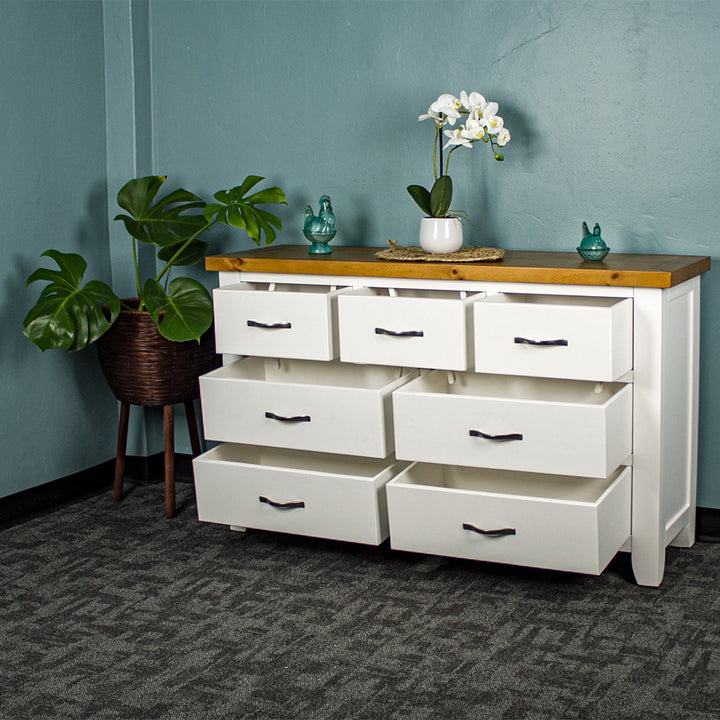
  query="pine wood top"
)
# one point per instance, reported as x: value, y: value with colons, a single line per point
x: 526, y: 266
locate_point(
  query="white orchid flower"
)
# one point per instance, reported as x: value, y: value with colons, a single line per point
x: 473, y: 102
x: 473, y: 129
x: 431, y: 115
x: 456, y: 137
x: 447, y: 105
x: 482, y: 123
x: 489, y: 110
x: 503, y: 137
x: 494, y: 124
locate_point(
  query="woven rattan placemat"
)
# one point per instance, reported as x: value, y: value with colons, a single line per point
x: 414, y: 253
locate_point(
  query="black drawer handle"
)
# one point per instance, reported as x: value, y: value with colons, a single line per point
x: 526, y: 341
x: 282, y: 506
x: 291, y: 419
x: 497, y: 532
x: 269, y: 326
x: 399, y: 333
x: 499, y: 438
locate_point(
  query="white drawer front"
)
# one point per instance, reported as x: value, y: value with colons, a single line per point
x: 291, y: 321
x: 329, y: 496
x: 300, y: 404
x: 413, y: 328
x: 514, y: 423
x: 555, y: 522
x: 583, y: 338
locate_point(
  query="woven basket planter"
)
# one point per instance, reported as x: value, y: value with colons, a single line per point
x: 144, y: 368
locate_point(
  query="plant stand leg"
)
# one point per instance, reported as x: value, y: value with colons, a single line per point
x: 169, y: 430
x: 192, y: 427
x: 121, y: 447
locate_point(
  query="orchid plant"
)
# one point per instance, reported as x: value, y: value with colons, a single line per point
x: 482, y: 123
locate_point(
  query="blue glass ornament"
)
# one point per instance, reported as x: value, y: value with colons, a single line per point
x: 592, y: 247
x: 319, y: 229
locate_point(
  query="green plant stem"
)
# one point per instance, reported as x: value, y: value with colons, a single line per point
x: 435, y: 148
x: 137, y: 273
x: 447, y: 161
x: 168, y: 265
x: 494, y: 147
x: 440, y: 150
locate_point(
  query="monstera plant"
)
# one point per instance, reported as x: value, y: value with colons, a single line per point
x: 69, y: 315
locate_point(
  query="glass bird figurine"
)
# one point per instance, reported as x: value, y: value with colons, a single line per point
x: 592, y: 247
x: 319, y: 229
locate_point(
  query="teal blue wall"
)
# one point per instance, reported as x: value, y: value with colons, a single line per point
x: 56, y: 412
x: 611, y: 106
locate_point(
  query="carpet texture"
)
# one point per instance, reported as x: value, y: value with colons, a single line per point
x: 110, y: 611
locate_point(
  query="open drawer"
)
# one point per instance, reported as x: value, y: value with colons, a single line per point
x: 581, y: 338
x: 276, y: 320
x: 331, y: 496
x: 301, y: 404
x: 409, y: 328
x: 566, y: 427
x: 546, y: 521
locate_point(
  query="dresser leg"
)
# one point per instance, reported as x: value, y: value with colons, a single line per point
x: 686, y: 537
x: 169, y: 431
x: 648, y: 561
x: 121, y: 448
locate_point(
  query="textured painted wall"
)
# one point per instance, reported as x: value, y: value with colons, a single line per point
x: 612, y: 108
x: 57, y: 414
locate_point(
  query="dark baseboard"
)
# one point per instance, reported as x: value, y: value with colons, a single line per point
x: 44, y: 498
x: 707, y: 527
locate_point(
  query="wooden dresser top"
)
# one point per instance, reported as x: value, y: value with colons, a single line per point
x: 526, y: 266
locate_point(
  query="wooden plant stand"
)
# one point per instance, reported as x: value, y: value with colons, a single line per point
x: 169, y: 436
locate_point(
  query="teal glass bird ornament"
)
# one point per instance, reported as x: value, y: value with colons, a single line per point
x: 319, y: 229
x: 592, y: 247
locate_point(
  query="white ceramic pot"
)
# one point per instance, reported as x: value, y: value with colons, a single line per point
x: 441, y: 235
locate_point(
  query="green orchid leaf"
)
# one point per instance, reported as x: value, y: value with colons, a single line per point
x: 441, y: 196
x: 421, y: 196
x: 182, y: 313
x: 236, y: 209
x: 190, y: 255
x: 67, y: 315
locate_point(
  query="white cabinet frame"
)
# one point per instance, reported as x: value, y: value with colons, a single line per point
x: 665, y: 396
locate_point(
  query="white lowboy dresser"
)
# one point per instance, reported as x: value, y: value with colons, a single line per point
x: 539, y: 410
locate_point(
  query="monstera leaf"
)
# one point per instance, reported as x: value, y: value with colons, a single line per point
x: 234, y: 208
x: 68, y: 316
x: 166, y: 222
x: 183, y: 253
x: 182, y: 313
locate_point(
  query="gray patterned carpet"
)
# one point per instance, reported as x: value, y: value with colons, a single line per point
x: 112, y: 612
